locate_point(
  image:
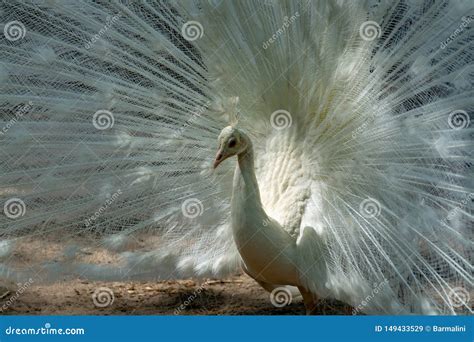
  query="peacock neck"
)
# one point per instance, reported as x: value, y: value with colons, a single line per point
x: 245, y: 181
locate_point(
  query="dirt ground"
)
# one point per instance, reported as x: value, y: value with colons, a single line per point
x: 237, y: 295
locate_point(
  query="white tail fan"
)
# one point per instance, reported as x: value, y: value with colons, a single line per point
x: 360, y: 114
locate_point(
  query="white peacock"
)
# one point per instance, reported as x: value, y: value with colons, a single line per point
x: 108, y: 131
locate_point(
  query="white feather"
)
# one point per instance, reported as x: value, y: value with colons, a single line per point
x: 370, y: 120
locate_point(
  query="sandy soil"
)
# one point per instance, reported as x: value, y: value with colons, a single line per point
x: 238, y: 295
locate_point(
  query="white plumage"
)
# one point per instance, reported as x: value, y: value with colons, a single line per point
x: 358, y: 114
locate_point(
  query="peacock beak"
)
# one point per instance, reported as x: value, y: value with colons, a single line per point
x: 219, y: 158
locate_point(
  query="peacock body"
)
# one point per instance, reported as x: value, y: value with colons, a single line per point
x: 358, y: 114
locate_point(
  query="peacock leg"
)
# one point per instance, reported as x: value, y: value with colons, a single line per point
x: 309, y: 300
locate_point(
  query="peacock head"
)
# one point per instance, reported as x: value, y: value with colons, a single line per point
x: 231, y: 142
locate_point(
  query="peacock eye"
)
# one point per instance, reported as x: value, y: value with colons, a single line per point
x: 232, y: 143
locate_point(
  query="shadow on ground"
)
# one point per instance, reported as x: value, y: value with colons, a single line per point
x: 237, y: 295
